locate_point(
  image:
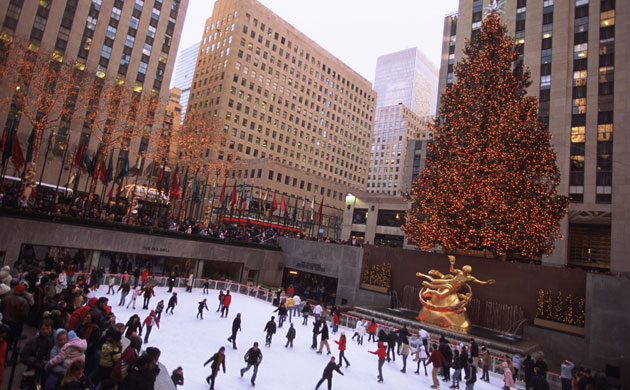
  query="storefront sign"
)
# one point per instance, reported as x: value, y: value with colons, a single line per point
x: 154, y: 249
x: 310, y: 266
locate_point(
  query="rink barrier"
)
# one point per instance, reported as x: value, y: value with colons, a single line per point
x: 347, y: 320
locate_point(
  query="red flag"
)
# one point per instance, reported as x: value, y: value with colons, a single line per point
x: 244, y: 205
x: 233, y: 196
x: 78, y: 158
x: 319, y: 212
x: 274, y: 205
x: 102, y: 171
x: 160, y: 182
x: 283, y: 206
x: 222, y: 198
x: 16, y: 154
x: 174, y: 187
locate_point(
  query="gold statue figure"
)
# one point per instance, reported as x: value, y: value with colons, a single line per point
x: 444, y: 297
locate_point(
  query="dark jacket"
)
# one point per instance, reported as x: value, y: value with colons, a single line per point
x: 139, y: 380
x: 470, y: 374
x: 36, y: 351
x: 253, y: 356
x: 177, y: 378
x: 446, y: 351
x: 172, y: 301
x: 236, y: 325
x: 538, y: 382
x: 81, y: 384
x: 317, y: 326
x: 217, y: 360
x: 125, y: 287
x: 171, y: 280
x: 324, y: 332
x: 391, y: 339
x: 282, y: 310
x: 291, y: 333
x: 474, y: 350
x: 14, y: 308
x: 330, y: 367
x: 270, y: 327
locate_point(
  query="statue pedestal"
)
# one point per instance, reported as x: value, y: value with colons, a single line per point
x: 456, y: 322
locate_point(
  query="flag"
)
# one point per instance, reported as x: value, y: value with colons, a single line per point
x: 7, y: 143
x: 160, y: 182
x: 124, y: 170
x: 29, y: 147
x: 16, y: 154
x: 283, y: 205
x: 250, y: 200
x: 184, y: 184
x: 222, y: 197
x: 294, y: 217
x: 78, y: 157
x: 195, y: 189
x: 87, y: 163
x: 233, y: 196
x: 102, y: 171
x: 244, y: 200
x: 274, y: 205
x: 313, y: 207
x: 110, y: 167
x: 174, y: 193
x: 319, y: 212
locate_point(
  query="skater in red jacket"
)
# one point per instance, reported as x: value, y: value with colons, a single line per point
x: 372, y: 331
x: 227, y: 299
x: 381, y: 352
x: 342, y: 349
x: 149, y: 322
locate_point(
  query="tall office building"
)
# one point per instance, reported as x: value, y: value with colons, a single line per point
x: 406, y: 83
x: 132, y: 42
x: 184, y: 72
x: 281, y: 97
x: 580, y: 74
x: 406, y: 77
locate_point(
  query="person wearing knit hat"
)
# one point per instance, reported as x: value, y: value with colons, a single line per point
x: 14, y: 308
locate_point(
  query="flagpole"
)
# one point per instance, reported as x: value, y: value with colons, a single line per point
x: 41, y: 176
x: 5, y: 161
x: 63, y: 163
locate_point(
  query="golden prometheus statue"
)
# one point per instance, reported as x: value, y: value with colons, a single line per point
x: 444, y: 297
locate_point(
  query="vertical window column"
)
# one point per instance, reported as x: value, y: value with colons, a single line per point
x: 545, y: 62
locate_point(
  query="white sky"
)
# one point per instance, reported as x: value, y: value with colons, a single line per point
x: 355, y: 31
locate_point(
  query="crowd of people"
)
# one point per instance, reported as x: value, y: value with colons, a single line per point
x: 79, y: 207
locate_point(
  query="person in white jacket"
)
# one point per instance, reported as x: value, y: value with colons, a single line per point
x: 317, y: 311
x: 421, y: 354
x: 297, y: 308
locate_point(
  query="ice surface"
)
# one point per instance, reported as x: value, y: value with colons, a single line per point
x: 188, y: 342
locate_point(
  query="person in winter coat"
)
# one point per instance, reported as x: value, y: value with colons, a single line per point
x: 141, y: 376
x: 145, y: 277
x: 218, y: 361
x: 486, y: 359
x: 328, y: 373
x: 282, y: 314
x: 253, y: 357
x: 56, y: 371
x: 74, y: 379
x: 270, y: 328
x: 457, y: 367
x: 381, y: 352
x: 470, y: 374
x: 335, y: 323
x: 111, y: 352
x: 316, y: 330
x: 221, y: 296
x: 171, y: 281
x: 290, y: 335
x: 474, y: 352
x: 202, y: 305
x: 391, y: 345
x: 421, y: 355
x: 342, y: 349
x: 128, y: 359
x: 372, y: 331
x: 36, y: 352
x: 132, y: 326
x: 227, y: 300
x: 178, y: 376
x: 447, y: 353
x: 73, y: 349
x: 508, y: 379
x: 125, y: 287
x: 403, y: 337
x: 236, y: 326
x: 317, y: 311
x: 306, y: 310
x: 149, y: 322
x: 206, y: 286
x: 147, y: 293
x: 78, y: 315
x: 290, y: 305
x: 404, y: 352
x: 134, y: 296
x: 15, y: 308
x: 172, y: 302
x: 297, y: 305
x: 159, y: 308
x: 566, y: 374
x: 189, y: 283
x: 437, y: 359
x: 324, y: 339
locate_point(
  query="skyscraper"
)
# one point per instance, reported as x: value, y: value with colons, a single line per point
x: 578, y: 72
x: 281, y: 97
x: 184, y: 72
x: 131, y: 42
x: 406, y: 83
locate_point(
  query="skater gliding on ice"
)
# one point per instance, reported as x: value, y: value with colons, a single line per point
x: 202, y: 305
x: 253, y: 357
x: 218, y: 361
x: 236, y: 326
x: 328, y: 373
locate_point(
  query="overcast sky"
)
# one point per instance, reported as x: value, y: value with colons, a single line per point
x: 355, y: 31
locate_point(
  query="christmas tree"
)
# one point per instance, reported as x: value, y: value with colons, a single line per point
x: 491, y: 176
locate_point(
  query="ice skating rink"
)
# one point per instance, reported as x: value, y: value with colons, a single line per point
x: 188, y: 342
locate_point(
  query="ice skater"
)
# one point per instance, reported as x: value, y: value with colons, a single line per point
x: 316, y: 330
x: 206, y: 286
x: 381, y: 352
x: 421, y: 355
x: 306, y: 310
x: 221, y: 295
x: 270, y: 328
x: 125, y: 287
x: 202, y: 305
x: 328, y: 373
x: 111, y: 284
x: 342, y: 349
x: 290, y: 336
x: 149, y: 322
x: 236, y: 326
x: 282, y: 314
x: 372, y: 331
x: 253, y: 357
x: 134, y: 296
x: 147, y: 294
x: 178, y: 377
x: 159, y: 308
x: 172, y: 302
x: 324, y: 339
x: 225, y: 309
x: 218, y: 361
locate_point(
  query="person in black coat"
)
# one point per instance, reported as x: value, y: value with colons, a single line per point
x: 202, y: 305
x: 470, y: 374
x: 236, y: 326
x: 446, y: 351
x: 324, y: 339
x: 171, y: 281
x: 140, y: 376
x: 538, y: 381
x: 270, y: 328
x: 528, y: 368
x: 316, y: 326
x: 403, y: 337
x: 218, y: 360
x: 282, y: 314
x: 328, y: 373
x: 290, y: 336
x: 253, y: 357
x: 391, y: 345
x: 178, y: 377
x: 172, y: 302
